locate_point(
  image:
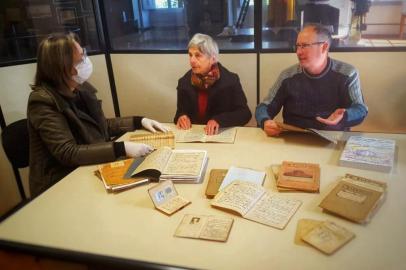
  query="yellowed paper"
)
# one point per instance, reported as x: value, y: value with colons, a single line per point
x: 156, y: 160
x: 185, y: 162
x: 304, y: 226
x: 156, y: 140
x: 198, y: 134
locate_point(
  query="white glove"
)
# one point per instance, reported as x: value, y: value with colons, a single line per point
x: 150, y: 125
x: 137, y: 149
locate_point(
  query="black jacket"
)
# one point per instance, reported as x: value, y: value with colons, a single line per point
x: 63, y: 137
x: 226, y: 102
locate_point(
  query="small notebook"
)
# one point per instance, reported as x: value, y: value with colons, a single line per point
x: 328, y: 237
x: 298, y: 176
x: 166, y: 199
x: 368, y: 153
x: 215, y: 180
x: 355, y: 198
x: 115, y: 175
x: 214, y: 228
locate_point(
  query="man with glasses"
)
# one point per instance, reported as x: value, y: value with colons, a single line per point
x: 318, y: 92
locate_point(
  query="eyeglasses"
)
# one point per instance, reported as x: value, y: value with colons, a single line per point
x: 307, y: 45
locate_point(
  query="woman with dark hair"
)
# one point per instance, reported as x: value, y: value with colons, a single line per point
x: 66, y: 123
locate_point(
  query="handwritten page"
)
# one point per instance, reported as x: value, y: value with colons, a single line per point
x: 185, y: 162
x: 239, y: 197
x: 249, y: 175
x: 156, y: 160
x: 273, y: 211
x: 205, y: 227
x: 198, y: 134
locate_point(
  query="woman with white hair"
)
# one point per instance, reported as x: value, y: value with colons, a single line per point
x: 209, y: 94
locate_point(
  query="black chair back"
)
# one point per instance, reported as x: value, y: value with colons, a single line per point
x: 16, y: 144
x: 15, y: 140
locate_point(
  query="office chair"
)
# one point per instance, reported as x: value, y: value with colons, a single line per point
x: 15, y: 142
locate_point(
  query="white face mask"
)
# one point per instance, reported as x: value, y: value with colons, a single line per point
x: 84, y: 70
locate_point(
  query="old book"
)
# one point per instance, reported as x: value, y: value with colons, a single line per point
x: 166, y: 199
x: 328, y: 237
x: 156, y: 140
x: 182, y: 166
x: 215, y: 180
x: 197, y: 134
x: 355, y: 198
x: 299, y: 176
x: 115, y: 175
x: 368, y: 153
x: 245, y: 174
x: 320, y: 133
x: 255, y: 203
x: 304, y: 226
x: 205, y: 227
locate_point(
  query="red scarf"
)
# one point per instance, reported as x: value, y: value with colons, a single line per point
x: 202, y: 83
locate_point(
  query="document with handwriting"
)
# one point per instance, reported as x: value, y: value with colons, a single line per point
x: 198, y: 134
x: 178, y: 165
x: 255, y: 203
x: 205, y: 227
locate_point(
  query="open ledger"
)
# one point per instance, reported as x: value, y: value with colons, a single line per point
x: 115, y: 175
x: 197, y: 134
x: 298, y: 176
x: 182, y: 166
x: 166, y: 199
x: 255, y: 203
x: 321, y: 133
x: 205, y: 227
x: 355, y: 198
x: 156, y: 140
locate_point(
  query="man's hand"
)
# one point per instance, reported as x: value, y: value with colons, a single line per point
x: 212, y: 127
x: 333, y: 119
x: 184, y: 122
x: 271, y: 128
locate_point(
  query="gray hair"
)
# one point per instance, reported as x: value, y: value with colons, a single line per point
x: 322, y: 32
x: 205, y: 44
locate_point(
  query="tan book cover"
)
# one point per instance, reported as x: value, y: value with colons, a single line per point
x: 156, y: 140
x: 253, y: 202
x: 166, y: 199
x: 304, y: 226
x: 214, y: 228
x: 114, y: 175
x: 215, y: 180
x: 299, y: 176
x: 353, y: 199
x: 328, y: 237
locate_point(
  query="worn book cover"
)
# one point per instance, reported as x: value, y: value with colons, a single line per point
x: 354, y: 199
x: 156, y: 140
x: 368, y: 153
x: 255, y: 203
x: 115, y: 177
x: 215, y: 180
x: 328, y: 237
x: 327, y: 135
x: 304, y: 226
x: 214, y: 228
x: 299, y: 176
x: 166, y: 199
